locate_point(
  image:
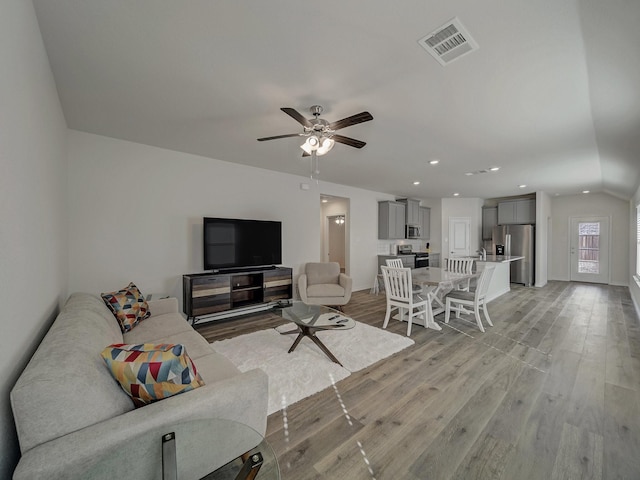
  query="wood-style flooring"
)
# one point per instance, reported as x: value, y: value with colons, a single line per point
x: 552, y: 391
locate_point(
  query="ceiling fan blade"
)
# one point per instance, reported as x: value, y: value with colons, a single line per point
x: 352, y: 142
x: 352, y: 120
x: 297, y: 116
x: 280, y: 136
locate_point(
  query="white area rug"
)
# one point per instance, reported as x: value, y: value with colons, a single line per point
x: 307, y: 370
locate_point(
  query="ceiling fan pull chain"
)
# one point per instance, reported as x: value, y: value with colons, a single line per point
x: 315, y: 167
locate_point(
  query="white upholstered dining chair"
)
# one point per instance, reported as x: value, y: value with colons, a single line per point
x: 399, y: 291
x: 456, y: 300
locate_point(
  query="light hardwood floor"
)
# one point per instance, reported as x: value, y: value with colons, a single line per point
x: 552, y: 391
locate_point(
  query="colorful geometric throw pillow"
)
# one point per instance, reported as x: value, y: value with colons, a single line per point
x: 149, y: 372
x: 128, y: 305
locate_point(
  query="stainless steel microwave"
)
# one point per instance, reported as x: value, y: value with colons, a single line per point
x: 413, y: 231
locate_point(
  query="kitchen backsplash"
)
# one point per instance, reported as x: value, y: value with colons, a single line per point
x: 386, y: 247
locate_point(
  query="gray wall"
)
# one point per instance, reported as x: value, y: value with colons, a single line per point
x: 33, y: 221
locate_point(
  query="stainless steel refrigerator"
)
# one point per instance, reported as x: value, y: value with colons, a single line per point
x: 518, y: 240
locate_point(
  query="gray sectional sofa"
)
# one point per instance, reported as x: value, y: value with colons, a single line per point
x: 71, y: 414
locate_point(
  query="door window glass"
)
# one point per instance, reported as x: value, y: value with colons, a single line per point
x: 589, y: 247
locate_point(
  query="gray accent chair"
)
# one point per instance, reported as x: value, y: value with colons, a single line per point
x: 324, y: 284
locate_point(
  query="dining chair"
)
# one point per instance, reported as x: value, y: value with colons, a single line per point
x: 461, y: 265
x: 397, y: 263
x: 456, y: 299
x: 400, y: 297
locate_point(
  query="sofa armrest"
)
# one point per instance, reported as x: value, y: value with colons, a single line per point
x: 302, y: 287
x: 346, y: 283
x: 242, y: 398
x: 163, y: 305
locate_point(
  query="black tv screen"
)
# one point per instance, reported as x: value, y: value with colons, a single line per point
x: 236, y: 243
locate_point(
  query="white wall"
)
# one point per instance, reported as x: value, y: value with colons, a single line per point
x: 136, y: 214
x: 593, y: 204
x: 634, y: 289
x: 33, y: 224
x: 543, y: 236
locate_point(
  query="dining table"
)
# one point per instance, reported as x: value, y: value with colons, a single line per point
x: 444, y: 281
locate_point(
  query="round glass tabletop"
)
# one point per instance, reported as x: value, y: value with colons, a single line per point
x: 192, y: 449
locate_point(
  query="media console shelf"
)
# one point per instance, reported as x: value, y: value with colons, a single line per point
x: 228, y: 293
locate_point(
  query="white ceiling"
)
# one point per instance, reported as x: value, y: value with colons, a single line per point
x: 551, y: 96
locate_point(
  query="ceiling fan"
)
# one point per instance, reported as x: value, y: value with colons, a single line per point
x: 320, y: 134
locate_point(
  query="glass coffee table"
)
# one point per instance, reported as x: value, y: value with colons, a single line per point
x: 191, y: 449
x: 310, y: 319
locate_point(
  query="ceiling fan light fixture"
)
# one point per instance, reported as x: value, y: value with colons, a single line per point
x: 327, y: 145
x: 311, y: 144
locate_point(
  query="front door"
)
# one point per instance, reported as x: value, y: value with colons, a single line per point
x: 459, y: 236
x: 589, y: 249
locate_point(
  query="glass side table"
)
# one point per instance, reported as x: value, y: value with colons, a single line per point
x: 206, y: 449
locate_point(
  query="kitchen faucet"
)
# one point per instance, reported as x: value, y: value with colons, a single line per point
x: 483, y: 253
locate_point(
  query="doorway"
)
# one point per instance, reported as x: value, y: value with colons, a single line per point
x: 589, y: 249
x: 459, y: 236
x: 336, y: 239
x: 335, y: 230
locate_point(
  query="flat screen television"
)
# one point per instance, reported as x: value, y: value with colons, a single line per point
x: 231, y: 243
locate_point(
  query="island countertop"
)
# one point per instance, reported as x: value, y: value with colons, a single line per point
x: 500, y: 258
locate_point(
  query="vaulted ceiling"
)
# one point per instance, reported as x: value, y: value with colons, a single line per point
x: 551, y: 96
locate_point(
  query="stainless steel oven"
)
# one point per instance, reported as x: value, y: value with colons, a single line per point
x: 422, y: 260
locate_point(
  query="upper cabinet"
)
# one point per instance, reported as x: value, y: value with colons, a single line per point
x: 412, y: 211
x: 489, y: 220
x: 391, y: 218
x: 521, y: 211
x: 426, y: 222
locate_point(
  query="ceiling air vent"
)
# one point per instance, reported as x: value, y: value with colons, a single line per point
x: 448, y: 42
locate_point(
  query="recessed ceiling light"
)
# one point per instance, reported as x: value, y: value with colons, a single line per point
x: 456, y: 194
x: 585, y: 191
x: 324, y: 200
x: 521, y: 186
x: 494, y: 169
x: 468, y: 174
x: 416, y: 183
x: 434, y: 162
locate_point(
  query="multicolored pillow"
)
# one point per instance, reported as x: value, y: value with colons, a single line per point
x: 149, y: 372
x: 128, y: 305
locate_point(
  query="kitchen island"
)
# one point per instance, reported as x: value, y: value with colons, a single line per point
x: 500, y: 281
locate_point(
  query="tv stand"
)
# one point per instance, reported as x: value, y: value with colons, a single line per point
x: 224, y: 294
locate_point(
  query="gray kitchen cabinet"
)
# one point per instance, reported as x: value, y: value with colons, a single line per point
x: 517, y: 211
x: 412, y: 211
x: 391, y: 220
x: 426, y: 222
x: 489, y: 220
x: 526, y: 211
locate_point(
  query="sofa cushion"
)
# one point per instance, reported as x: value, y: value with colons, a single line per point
x: 128, y: 306
x: 66, y: 387
x: 157, y: 329
x: 148, y: 372
x: 214, y: 367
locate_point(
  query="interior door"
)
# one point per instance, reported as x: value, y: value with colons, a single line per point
x: 589, y: 249
x: 459, y: 236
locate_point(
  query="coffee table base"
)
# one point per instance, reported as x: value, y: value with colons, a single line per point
x: 304, y: 331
